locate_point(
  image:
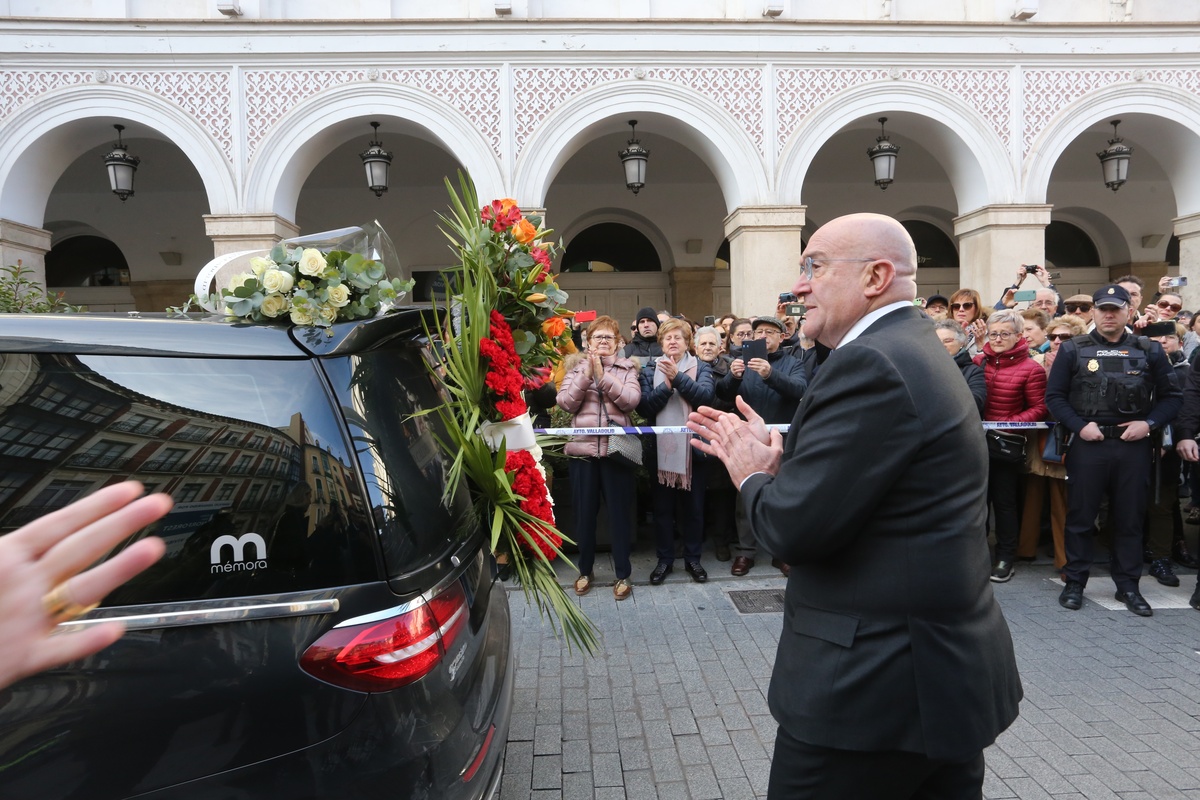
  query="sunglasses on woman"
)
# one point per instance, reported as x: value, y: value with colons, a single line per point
x: 1170, y: 306
x: 1075, y: 308
x: 1060, y: 337
x: 967, y: 306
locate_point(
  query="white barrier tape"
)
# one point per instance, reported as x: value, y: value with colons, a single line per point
x: 618, y: 430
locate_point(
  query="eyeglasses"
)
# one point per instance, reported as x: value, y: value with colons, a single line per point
x: 742, y: 334
x: 807, y: 265
x: 967, y: 306
x: 997, y: 336
x: 602, y: 338
x: 1060, y: 337
x: 1170, y: 306
x: 1075, y: 307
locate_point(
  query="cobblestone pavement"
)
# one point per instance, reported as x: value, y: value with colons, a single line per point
x: 674, y: 705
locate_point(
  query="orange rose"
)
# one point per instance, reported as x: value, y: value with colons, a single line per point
x: 554, y: 327
x: 507, y: 203
x: 524, y: 232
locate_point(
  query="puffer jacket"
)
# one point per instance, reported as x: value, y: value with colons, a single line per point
x: 581, y: 397
x: 1016, y: 385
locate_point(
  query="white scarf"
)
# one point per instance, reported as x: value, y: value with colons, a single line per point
x: 674, y: 452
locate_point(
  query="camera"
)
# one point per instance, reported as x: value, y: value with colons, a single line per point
x: 1031, y: 268
x: 1175, y: 282
x: 794, y: 309
x: 787, y: 297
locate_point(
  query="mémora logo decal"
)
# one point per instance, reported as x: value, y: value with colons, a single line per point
x: 238, y: 547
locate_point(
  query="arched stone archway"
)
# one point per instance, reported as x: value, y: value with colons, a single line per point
x: 1176, y: 114
x: 307, y: 133
x: 681, y: 114
x: 977, y: 163
x: 47, y: 134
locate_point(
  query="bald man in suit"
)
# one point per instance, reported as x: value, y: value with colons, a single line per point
x: 895, y: 667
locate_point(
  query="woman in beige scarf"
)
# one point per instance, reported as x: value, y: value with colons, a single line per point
x: 672, y: 386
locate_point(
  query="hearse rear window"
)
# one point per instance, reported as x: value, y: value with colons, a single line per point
x: 267, y: 497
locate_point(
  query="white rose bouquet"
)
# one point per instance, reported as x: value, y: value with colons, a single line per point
x: 313, y: 280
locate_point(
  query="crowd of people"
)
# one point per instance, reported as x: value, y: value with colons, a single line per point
x: 1121, y: 363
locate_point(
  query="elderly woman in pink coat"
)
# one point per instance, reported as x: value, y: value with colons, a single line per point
x: 600, y: 391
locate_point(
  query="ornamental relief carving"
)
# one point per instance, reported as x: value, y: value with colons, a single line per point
x: 472, y: 91
x: 738, y: 90
x: 1048, y: 91
x: 204, y: 94
x: 800, y: 90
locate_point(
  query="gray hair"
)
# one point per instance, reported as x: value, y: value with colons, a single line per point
x: 708, y: 329
x: 1009, y: 315
x: 960, y: 335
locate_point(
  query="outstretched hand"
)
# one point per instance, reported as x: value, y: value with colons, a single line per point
x: 45, y: 580
x: 745, y: 446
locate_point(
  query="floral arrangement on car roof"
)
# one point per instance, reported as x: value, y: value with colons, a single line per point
x: 502, y: 323
x: 315, y: 280
x: 306, y: 286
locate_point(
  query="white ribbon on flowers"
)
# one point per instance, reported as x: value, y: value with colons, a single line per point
x: 204, y: 280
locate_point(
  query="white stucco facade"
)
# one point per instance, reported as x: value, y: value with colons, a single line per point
x: 249, y: 128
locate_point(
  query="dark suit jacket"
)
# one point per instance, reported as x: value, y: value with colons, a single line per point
x: 892, y: 638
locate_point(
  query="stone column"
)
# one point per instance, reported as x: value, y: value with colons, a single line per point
x: 233, y: 232
x: 994, y: 240
x: 1188, y: 230
x: 27, y: 244
x: 764, y: 255
x: 693, y: 288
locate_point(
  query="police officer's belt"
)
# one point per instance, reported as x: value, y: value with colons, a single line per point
x: 1111, y: 431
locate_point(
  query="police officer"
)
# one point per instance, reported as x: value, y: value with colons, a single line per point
x: 1113, y: 390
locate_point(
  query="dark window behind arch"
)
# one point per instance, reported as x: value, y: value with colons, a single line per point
x: 934, y: 248
x: 625, y: 248
x: 86, y: 261
x: 1172, y: 255
x: 1068, y: 246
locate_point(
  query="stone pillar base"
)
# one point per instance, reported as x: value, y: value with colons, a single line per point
x: 232, y: 233
x: 24, y: 243
x: 1188, y: 230
x: 764, y: 246
x: 993, y: 241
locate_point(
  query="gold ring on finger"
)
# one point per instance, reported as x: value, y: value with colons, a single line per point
x: 61, y: 606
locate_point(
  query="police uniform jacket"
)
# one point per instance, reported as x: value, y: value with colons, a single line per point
x: 1112, y: 358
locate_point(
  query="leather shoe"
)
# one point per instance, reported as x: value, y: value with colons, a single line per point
x: 741, y: 565
x: 696, y: 571
x: 660, y: 573
x: 1195, y: 601
x: 1135, y: 603
x: 1183, y: 557
x: 782, y: 567
x: 1072, y: 596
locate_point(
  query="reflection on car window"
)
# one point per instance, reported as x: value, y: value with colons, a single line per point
x: 401, y: 459
x: 266, y: 494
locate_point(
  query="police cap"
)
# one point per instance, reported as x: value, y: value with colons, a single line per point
x: 1112, y: 295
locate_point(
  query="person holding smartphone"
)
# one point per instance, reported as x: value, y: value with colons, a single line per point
x: 772, y: 382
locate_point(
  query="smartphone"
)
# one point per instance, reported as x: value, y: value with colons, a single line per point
x: 795, y: 309
x: 585, y: 316
x: 1054, y: 276
x: 709, y: 319
x: 1180, y: 281
x: 1025, y: 296
x: 787, y: 297
x: 754, y: 348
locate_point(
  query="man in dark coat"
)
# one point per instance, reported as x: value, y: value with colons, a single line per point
x: 645, y: 344
x: 1186, y: 428
x: 895, y: 666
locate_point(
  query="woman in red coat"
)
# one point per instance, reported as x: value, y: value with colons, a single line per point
x: 1016, y: 392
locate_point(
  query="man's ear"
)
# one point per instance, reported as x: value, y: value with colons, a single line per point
x: 879, y: 277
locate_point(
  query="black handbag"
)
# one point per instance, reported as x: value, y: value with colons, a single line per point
x: 1008, y: 448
